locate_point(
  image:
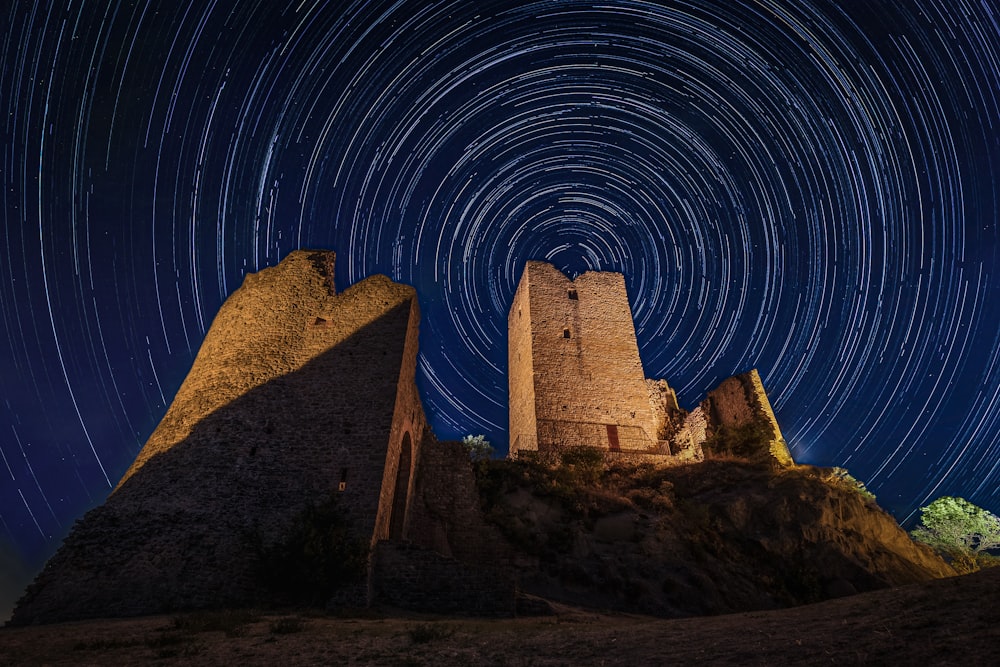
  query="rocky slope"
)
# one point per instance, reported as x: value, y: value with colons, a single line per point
x: 717, y: 537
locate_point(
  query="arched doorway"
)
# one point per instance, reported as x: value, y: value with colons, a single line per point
x: 399, y: 494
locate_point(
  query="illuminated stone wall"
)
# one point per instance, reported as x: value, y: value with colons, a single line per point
x: 574, y: 363
x: 296, y: 394
x: 741, y: 401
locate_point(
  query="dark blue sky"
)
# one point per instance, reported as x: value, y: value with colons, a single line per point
x: 804, y: 187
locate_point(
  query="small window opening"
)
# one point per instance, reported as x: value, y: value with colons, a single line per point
x: 572, y: 295
x: 566, y: 333
x: 343, y: 479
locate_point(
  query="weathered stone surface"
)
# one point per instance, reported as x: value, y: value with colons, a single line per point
x: 296, y: 394
x: 420, y: 579
x: 575, y: 374
x: 741, y: 401
x: 444, y: 513
x: 576, y: 379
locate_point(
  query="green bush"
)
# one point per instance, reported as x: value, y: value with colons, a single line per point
x: 961, y: 531
x: 479, y: 448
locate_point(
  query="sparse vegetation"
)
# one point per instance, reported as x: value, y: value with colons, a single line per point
x: 851, y: 482
x: 961, y: 531
x: 105, y: 644
x: 479, y: 448
x: 583, y: 466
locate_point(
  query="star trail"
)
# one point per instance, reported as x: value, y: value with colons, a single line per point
x: 804, y: 187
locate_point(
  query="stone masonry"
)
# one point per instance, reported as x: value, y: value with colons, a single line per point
x: 575, y: 379
x: 574, y: 369
x: 297, y: 394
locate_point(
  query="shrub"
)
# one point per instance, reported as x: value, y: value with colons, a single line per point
x: 851, y: 482
x: 582, y: 465
x: 959, y: 530
x: 748, y: 442
x: 479, y: 448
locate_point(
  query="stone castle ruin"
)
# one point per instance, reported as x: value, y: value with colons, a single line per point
x: 300, y: 394
x: 576, y: 380
x: 297, y: 393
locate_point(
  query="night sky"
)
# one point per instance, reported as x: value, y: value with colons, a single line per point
x: 808, y: 188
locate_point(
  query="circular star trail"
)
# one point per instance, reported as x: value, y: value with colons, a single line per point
x: 807, y: 188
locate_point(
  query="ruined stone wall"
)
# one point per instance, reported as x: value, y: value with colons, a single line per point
x: 293, y: 394
x: 741, y: 401
x: 445, y: 515
x: 666, y: 413
x: 584, y: 356
x: 405, y: 440
x: 449, y: 560
x: 687, y: 441
x: 258, y: 334
x: 412, y: 577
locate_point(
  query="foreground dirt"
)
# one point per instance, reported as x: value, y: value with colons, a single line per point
x: 945, y: 622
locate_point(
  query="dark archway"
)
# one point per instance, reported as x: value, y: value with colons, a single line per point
x: 402, y: 485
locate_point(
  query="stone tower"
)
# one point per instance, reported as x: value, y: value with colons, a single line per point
x: 297, y: 393
x: 574, y: 370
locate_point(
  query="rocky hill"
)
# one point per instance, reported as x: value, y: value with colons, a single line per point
x: 721, y: 536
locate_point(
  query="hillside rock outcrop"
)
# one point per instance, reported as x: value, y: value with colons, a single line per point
x: 708, y: 538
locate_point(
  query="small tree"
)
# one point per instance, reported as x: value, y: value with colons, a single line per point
x: 479, y: 447
x: 959, y: 530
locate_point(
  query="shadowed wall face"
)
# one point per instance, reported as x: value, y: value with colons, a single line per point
x: 297, y: 395
x: 574, y: 360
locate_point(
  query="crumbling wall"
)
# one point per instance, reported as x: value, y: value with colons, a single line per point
x: 412, y: 577
x: 445, y: 513
x: 689, y: 438
x: 407, y: 431
x: 667, y: 414
x: 292, y: 398
x: 449, y: 560
x: 740, y: 402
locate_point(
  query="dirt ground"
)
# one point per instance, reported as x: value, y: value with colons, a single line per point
x: 946, y: 622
